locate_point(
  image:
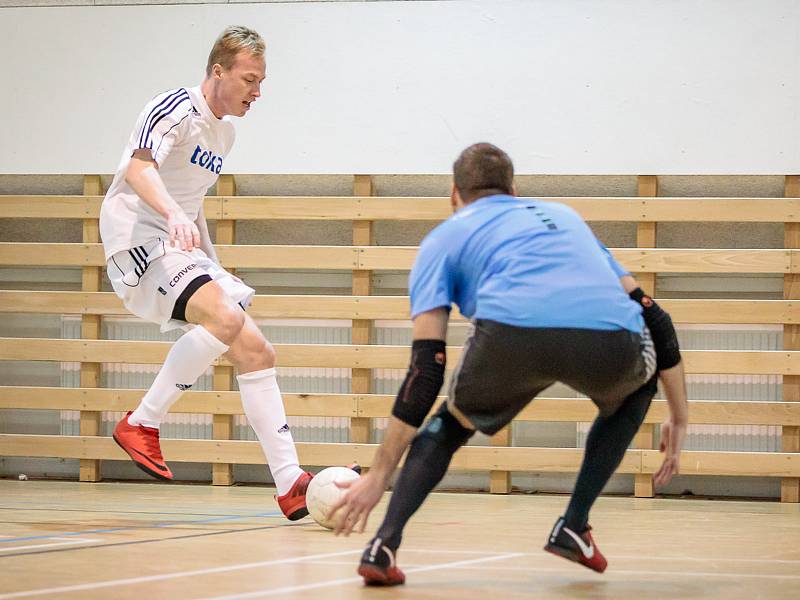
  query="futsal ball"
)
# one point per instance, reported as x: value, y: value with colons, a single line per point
x: 323, y: 493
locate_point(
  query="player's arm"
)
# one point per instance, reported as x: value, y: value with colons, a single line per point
x: 417, y: 393
x: 414, y: 400
x: 670, y: 371
x: 672, y: 377
x: 658, y: 321
x: 673, y: 430
x: 142, y: 175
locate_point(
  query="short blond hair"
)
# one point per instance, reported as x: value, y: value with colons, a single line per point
x: 233, y: 40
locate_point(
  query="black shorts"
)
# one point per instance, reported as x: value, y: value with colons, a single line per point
x: 502, y: 368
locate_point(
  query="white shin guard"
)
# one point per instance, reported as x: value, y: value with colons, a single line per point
x: 188, y: 358
x: 263, y: 405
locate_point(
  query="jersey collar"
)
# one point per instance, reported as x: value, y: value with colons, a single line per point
x: 201, y: 104
x: 473, y: 206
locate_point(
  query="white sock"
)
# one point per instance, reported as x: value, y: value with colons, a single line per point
x: 188, y: 358
x: 263, y: 405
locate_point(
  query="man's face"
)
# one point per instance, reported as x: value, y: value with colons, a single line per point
x: 240, y: 86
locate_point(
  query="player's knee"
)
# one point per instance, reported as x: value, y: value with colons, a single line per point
x: 228, y: 322
x: 444, y: 430
x: 252, y: 352
x: 262, y: 352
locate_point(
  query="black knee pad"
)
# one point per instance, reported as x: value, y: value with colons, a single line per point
x: 444, y: 430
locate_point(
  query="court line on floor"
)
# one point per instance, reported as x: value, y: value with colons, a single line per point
x: 626, y: 557
x: 144, y: 526
x: 67, y: 542
x: 430, y: 551
x: 151, y: 578
x: 703, y: 559
x: 158, y: 540
x: 699, y: 574
x: 336, y: 582
x: 613, y: 571
x: 102, y: 510
x: 620, y: 557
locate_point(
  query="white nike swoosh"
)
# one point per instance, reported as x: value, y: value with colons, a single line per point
x: 588, y: 551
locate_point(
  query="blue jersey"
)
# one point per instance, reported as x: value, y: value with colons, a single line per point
x: 522, y: 262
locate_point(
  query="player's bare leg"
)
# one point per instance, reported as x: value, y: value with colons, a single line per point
x: 254, y: 358
x: 218, y: 322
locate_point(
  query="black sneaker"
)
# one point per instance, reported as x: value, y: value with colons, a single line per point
x: 378, y: 565
x: 577, y: 547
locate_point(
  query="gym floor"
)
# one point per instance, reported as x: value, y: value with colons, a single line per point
x: 149, y: 541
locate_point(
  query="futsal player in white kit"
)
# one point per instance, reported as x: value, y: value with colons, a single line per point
x: 162, y: 264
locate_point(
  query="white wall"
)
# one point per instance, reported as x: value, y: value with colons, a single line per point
x: 566, y: 87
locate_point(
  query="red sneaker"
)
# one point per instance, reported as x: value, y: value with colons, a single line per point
x: 378, y: 566
x: 577, y: 547
x: 293, y: 502
x: 142, y: 445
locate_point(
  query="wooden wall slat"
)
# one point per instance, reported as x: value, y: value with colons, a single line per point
x: 379, y: 405
x: 293, y: 306
x: 348, y: 208
x: 470, y: 458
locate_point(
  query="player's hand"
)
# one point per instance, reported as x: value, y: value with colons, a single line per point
x: 182, y: 231
x: 672, y: 435
x: 354, y: 507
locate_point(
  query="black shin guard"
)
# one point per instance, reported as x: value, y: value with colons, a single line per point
x: 606, y: 444
x: 426, y: 464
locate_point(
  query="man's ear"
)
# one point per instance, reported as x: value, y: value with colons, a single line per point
x: 456, y: 201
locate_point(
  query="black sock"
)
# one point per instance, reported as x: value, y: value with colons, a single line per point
x: 426, y: 464
x: 606, y: 444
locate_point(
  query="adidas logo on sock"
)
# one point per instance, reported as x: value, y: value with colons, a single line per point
x: 183, y: 386
x: 284, y: 429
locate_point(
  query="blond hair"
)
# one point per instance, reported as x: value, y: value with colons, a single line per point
x: 233, y: 40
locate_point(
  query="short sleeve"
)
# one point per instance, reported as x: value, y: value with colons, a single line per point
x: 158, y: 127
x: 615, y: 266
x: 432, y: 278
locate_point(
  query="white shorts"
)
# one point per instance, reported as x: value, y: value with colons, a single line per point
x: 151, y: 279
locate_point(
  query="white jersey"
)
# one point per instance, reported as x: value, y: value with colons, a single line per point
x: 189, y: 144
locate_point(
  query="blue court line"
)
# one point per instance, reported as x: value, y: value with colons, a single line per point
x: 156, y: 525
x: 70, y: 508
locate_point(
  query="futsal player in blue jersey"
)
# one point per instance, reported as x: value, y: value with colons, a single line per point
x: 548, y: 303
